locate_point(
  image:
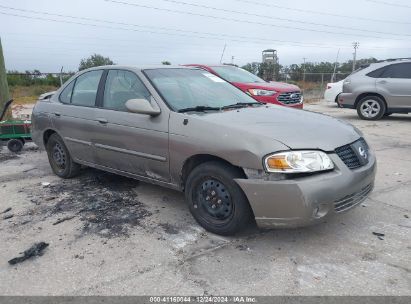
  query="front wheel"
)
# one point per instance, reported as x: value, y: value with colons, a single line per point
x: 215, y: 200
x: 371, y: 108
x: 59, y: 158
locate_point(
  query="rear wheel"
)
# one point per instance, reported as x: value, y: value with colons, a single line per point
x: 215, y: 200
x: 59, y: 158
x: 15, y: 145
x: 371, y: 108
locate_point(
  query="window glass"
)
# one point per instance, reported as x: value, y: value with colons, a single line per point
x: 377, y: 73
x: 65, y: 96
x: 184, y: 88
x: 399, y: 70
x: 121, y: 86
x: 234, y: 74
x: 85, y: 89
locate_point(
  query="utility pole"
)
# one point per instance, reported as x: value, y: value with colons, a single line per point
x: 304, y: 69
x: 335, y: 66
x: 222, y: 55
x: 355, y: 45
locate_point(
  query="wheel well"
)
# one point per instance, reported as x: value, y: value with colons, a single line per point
x: 47, y: 135
x: 361, y: 96
x: 199, y: 159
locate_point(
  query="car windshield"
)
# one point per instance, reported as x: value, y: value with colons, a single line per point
x: 234, y: 74
x: 192, y: 88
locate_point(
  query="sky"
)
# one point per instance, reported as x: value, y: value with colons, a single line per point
x: 50, y: 34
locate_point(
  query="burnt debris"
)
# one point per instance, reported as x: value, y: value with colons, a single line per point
x: 33, y: 251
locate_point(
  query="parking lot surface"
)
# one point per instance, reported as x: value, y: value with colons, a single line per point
x: 109, y: 235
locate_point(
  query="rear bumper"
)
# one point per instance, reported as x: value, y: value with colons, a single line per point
x: 308, y: 200
x: 347, y: 100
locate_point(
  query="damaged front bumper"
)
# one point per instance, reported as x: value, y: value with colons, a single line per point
x: 307, y: 200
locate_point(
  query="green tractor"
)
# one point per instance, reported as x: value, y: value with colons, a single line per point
x: 14, y: 132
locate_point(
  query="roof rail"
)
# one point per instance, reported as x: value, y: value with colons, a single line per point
x: 395, y: 59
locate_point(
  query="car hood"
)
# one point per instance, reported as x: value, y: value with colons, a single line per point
x: 296, y: 129
x: 276, y: 86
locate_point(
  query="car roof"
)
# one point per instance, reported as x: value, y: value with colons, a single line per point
x: 143, y: 67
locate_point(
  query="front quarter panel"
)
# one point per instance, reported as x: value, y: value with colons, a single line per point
x: 190, y: 136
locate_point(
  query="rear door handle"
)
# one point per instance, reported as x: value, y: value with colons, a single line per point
x: 382, y: 82
x: 102, y: 120
x: 57, y: 114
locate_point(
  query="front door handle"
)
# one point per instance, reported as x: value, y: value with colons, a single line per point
x: 382, y: 82
x: 102, y: 120
x: 57, y: 114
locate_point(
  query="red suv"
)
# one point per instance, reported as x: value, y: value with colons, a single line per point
x: 269, y: 92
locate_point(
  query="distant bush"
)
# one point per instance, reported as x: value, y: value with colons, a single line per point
x: 30, y: 78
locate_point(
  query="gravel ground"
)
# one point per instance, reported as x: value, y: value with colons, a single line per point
x: 109, y: 235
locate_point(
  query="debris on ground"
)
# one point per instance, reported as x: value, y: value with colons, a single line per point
x: 67, y: 218
x: 406, y: 216
x: 35, y: 250
x: 8, y: 216
x: 105, y: 203
x: 45, y: 184
x: 169, y: 229
x: 379, y: 235
x: 6, y: 210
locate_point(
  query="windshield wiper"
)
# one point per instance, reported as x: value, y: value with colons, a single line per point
x: 242, y: 105
x: 199, y: 109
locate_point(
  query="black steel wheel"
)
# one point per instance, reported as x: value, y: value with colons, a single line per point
x: 59, y: 158
x: 15, y: 145
x: 215, y: 200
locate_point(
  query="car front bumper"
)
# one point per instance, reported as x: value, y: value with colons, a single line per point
x: 310, y: 199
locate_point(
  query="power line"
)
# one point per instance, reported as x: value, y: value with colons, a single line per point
x: 197, y: 34
x: 150, y: 27
x: 280, y: 18
x: 246, y: 21
x: 389, y: 3
x: 321, y: 13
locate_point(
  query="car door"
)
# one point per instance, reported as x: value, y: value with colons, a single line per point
x: 130, y: 142
x: 395, y: 82
x: 73, y: 117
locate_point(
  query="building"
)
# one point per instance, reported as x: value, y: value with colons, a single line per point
x: 270, y: 56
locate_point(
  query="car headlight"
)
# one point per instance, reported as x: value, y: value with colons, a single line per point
x: 259, y: 92
x: 298, y: 162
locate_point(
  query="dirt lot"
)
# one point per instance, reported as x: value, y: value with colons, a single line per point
x: 109, y: 235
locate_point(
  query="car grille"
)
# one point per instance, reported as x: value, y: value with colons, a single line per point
x: 289, y: 98
x: 352, y: 200
x: 348, y: 156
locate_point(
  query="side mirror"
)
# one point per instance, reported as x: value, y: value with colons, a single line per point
x: 141, y: 106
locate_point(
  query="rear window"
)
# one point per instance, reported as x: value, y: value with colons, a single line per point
x: 377, y: 73
x: 399, y: 70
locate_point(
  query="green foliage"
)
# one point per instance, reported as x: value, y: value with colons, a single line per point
x: 295, y: 72
x: 94, y: 60
x: 4, y: 88
x: 29, y: 78
x: 166, y: 63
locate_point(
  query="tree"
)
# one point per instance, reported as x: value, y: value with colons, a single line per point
x: 252, y: 67
x: 4, y: 87
x: 166, y: 63
x: 94, y: 61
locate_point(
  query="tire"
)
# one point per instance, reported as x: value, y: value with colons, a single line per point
x: 59, y: 158
x: 371, y: 108
x: 212, y: 184
x: 15, y: 145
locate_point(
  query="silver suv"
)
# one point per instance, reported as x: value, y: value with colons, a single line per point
x: 379, y: 90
